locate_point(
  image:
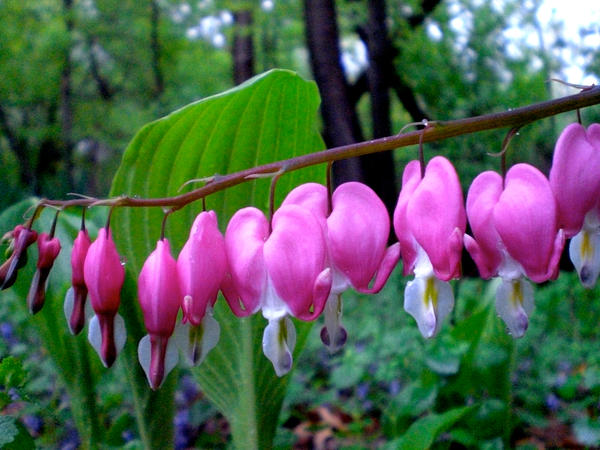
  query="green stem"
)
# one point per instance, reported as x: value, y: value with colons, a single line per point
x: 139, y: 405
x: 244, y: 426
x: 507, y: 393
x: 87, y: 389
x: 154, y: 410
x: 82, y: 398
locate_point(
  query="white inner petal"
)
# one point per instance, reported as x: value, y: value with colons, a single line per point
x: 514, y: 304
x: 584, y: 251
x: 273, y: 307
x: 423, y: 266
x: 340, y: 281
x: 68, y: 306
x: 95, y: 335
x: 197, y: 342
x: 334, y: 334
x: 426, y: 298
x: 509, y: 268
x: 279, y: 340
x: 120, y: 333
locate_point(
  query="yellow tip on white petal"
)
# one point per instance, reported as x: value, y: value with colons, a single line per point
x: 429, y: 301
x: 584, y: 251
x: 514, y: 304
x: 197, y: 341
x: 279, y: 340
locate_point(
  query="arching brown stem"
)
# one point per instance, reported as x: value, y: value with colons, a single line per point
x: 437, y: 131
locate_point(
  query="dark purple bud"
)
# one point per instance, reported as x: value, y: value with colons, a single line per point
x: 158, y: 351
x: 37, y: 291
x: 77, y: 316
x: 22, y: 238
x: 340, y: 338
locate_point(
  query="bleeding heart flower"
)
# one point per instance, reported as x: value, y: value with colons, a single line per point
x: 21, y: 238
x: 202, y: 265
x: 356, y: 230
x: 159, y: 295
x: 104, y: 276
x: 576, y: 185
x: 430, y: 222
x: 281, y: 273
x: 515, y: 235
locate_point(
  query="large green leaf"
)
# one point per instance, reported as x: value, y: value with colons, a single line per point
x: 269, y: 118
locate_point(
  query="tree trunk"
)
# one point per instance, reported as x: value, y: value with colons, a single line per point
x: 242, y: 48
x: 104, y: 88
x: 380, y: 66
x: 66, y: 98
x: 379, y: 168
x: 341, y: 125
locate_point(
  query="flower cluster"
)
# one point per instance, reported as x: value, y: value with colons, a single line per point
x: 315, y: 246
x: 300, y: 265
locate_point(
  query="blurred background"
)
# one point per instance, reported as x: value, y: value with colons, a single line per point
x: 78, y: 78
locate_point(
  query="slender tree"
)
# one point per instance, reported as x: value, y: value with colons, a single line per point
x: 66, y: 97
x: 340, y: 121
x: 155, y: 49
x: 242, y: 47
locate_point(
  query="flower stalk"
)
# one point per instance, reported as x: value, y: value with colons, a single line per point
x: 436, y: 131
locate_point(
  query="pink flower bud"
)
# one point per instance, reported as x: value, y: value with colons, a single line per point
x: 77, y: 295
x: 295, y: 259
x: 484, y: 248
x: 48, y: 250
x: 160, y: 298
x: 201, y: 264
x: 22, y: 238
x: 104, y: 276
x: 246, y: 280
x: 81, y: 246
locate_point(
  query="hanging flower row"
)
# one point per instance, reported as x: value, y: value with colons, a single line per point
x: 316, y: 246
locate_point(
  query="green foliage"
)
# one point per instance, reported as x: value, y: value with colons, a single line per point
x: 13, y: 435
x: 424, y: 431
x: 269, y: 118
x: 396, y: 376
x: 12, y: 374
